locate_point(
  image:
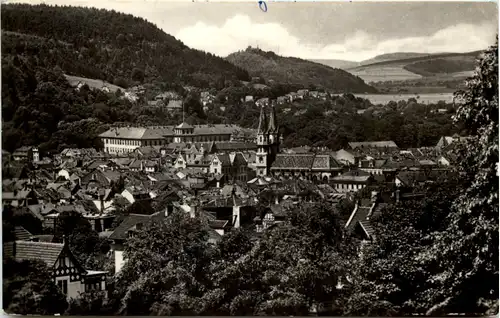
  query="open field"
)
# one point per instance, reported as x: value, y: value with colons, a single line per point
x: 383, y: 73
x: 94, y: 83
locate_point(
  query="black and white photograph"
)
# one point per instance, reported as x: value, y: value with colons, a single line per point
x: 249, y: 158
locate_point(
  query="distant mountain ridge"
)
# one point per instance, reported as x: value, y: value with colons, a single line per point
x: 392, y: 58
x: 293, y: 70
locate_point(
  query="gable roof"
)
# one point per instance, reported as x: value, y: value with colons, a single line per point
x: 26, y: 250
x: 373, y: 144
x: 293, y: 161
x: 325, y: 162
x: 120, y: 233
x: 21, y: 233
x: 224, y: 159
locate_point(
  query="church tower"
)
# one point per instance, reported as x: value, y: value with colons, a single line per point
x: 268, y: 141
x: 274, y: 138
x: 262, y: 145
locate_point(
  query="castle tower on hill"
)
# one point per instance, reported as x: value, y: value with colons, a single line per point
x: 268, y: 142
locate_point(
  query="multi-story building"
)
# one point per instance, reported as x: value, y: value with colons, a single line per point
x: 119, y: 140
x: 268, y: 142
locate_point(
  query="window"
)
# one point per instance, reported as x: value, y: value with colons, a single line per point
x: 63, y: 285
x: 261, y: 160
x: 215, y: 170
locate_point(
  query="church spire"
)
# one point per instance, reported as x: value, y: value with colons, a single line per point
x: 273, y: 126
x: 262, y: 121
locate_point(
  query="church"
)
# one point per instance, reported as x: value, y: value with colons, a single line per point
x: 268, y: 142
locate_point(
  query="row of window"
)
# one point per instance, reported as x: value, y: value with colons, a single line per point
x: 349, y: 186
x: 122, y: 142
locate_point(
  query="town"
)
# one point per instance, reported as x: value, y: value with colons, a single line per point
x: 205, y: 171
x: 150, y: 174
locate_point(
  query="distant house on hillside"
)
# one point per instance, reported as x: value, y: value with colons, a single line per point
x: 282, y: 100
x: 174, y: 104
x: 249, y: 98
x: 293, y: 96
x: 303, y: 93
x: 262, y: 102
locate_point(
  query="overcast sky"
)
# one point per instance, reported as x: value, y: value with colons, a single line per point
x: 329, y: 30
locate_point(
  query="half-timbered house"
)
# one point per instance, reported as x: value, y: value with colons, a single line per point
x: 68, y: 273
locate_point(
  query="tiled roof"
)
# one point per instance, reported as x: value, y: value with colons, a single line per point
x: 293, y: 161
x: 215, y: 129
x: 224, y: 159
x: 21, y: 233
x: 24, y: 250
x: 159, y: 132
x: 325, y: 162
x: 218, y: 224
x: 226, y: 146
x: 20, y: 195
x: 124, y: 132
x: 356, y: 175
x: 184, y: 126
x: 373, y: 144
x: 120, y: 233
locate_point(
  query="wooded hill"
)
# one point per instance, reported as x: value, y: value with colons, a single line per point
x: 294, y: 70
x: 107, y: 45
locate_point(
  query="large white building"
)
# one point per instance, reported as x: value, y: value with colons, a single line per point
x: 119, y: 140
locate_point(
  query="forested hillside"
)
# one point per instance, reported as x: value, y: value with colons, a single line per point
x: 107, y: 45
x: 40, y: 108
x: 294, y: 70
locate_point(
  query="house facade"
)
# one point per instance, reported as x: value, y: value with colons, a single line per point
x: 69, y: 275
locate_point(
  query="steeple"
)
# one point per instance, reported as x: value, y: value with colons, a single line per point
x: 273, y: 126
x: 262, y: 121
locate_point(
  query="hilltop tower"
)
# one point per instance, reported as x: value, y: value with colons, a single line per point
x: 268, y: 142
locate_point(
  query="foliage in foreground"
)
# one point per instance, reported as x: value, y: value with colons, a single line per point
x: 28, y: 288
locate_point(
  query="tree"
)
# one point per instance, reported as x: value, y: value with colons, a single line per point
x: 84, y: 242
x: 138, y: 75
x: 390, y: 278
x: 295, y: 266
x: 467, y: 250
x: 29, y: 288
x: 166, y: 272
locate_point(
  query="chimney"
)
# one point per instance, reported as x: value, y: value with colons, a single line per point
x: 396, y: 194
x: 101, y: 197
x: 236, y: 216
x: 194, y: 211
x: 65, y: 240
x: 276, y: 201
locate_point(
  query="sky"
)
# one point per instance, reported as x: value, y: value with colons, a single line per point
x: 353, y: 31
